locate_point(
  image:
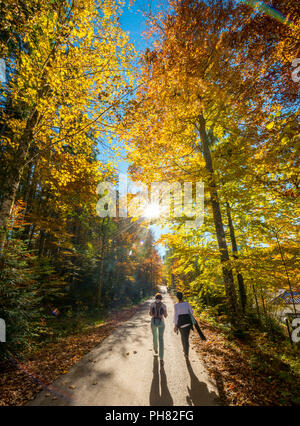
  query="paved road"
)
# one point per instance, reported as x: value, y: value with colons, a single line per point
x: 123, y: 370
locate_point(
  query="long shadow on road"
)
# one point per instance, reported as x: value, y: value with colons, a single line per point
x: 198, y: 393
x: 159, y: 395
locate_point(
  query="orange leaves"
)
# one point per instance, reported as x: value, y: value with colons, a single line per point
x: 239, y: 379
x: 17, y: 218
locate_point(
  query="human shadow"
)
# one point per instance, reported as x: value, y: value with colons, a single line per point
x: 198, y: 393
x: 159, y: 395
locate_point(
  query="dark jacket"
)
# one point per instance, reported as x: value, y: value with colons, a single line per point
x: 184, y: 319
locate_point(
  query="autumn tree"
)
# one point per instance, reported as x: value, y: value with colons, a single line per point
x: 62, y: 86
x: 203, y: 112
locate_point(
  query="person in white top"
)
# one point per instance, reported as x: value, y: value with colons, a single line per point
x: 183, y: 321
x: 158, y: 311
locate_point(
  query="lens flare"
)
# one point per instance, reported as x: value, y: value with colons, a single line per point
x: 268, y: 10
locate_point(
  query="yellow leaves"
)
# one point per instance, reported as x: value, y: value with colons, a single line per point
x: 61, y: 76
x: 270, y: 126
x: 80, y: 32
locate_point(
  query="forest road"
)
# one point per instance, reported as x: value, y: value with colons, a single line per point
x: 123, y: 370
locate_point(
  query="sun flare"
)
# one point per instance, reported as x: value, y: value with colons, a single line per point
x: 152, y: 211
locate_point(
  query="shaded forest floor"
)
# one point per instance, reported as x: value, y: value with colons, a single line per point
x: 252, y: 371
x: 21, y: 381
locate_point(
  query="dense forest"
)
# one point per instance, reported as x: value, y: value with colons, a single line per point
x: 67, y: 76
x: 214, y: 99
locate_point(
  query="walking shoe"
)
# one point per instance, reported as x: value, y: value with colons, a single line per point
x: 155, y: 351
x: 162, y: 362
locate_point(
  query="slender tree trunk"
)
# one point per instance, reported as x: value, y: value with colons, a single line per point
x: 14, y: 176
x: 42, y: 242
x: 30, y: 236
x: 217, y: 215
x: 100, y: 277
x: 28, y: 197
x: 100, y: 281
x: 242, y: 290
x: 256, y: 302
x: 263, y: 302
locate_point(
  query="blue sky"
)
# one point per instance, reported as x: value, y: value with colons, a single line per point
x: 133, y: 21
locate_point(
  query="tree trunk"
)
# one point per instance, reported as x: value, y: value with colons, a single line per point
x: 217, y: 215
x: 16, y: 167
x: 256, y: 302
x: 14, y: 176
x: 30, y: 236
x: 100, y: 281
x: 28, y: 197
x: 263, y: 302
x: 100, y: 277
x: 42, y: 243
x: 242, y: 290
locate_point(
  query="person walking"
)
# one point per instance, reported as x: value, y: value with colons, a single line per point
x: 183, y: 321
x: 158, y: 311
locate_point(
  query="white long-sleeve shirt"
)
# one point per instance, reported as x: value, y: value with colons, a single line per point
x: 181, y: 308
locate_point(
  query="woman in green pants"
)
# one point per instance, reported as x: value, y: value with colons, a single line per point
x: 158, y: 312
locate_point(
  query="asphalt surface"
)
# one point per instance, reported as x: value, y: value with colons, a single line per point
x: 123, y: 370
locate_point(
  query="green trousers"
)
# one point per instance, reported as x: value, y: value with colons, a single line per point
x: 158, y: 328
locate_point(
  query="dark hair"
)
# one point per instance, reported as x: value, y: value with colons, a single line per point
x: 158, y: 296
x: 179, y: 295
